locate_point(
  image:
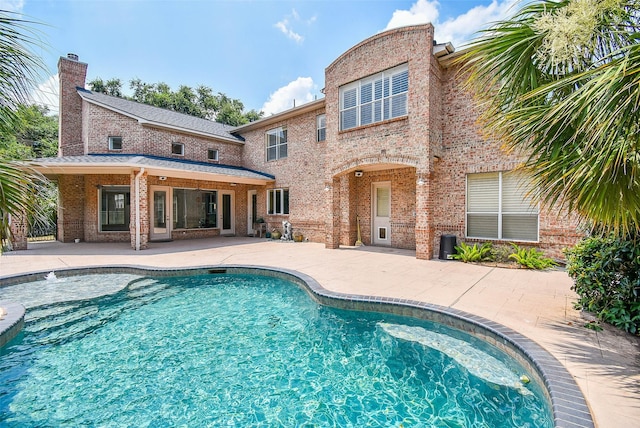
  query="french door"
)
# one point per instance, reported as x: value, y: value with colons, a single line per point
x: 160, y: 213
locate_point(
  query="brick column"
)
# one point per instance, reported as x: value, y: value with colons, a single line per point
x: 332, y: 222
x: 70, y: 208
x: 144, y: 211
x: 18, y: 224
x: 424, y: 231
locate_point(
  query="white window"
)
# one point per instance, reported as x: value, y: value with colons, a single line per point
x: 115, y: 143
x: 177, y: 149
x: 500, y: 206
x: 375, y: 98
x: 276, y: 143
x: 212, y: 154
x: 321, y: 122
x: 278, y: 201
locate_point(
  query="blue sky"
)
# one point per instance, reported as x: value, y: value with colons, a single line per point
x: 264, y: 52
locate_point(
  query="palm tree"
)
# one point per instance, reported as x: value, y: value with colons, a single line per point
x: 18, y: 75
x: 566, y: 80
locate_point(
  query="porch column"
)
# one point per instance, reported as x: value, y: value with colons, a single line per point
x: 424, y: 230
x: 347, y: 210
x: 139, y: 204
x: 332, y: 222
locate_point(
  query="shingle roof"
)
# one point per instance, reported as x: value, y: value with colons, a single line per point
x: 160, y: 117
x: 167, y: 166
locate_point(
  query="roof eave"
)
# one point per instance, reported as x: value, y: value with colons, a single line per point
x: 277, y: 117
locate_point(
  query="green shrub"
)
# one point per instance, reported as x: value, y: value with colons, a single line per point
x: 531, y: 258
x: 501, y: 253
x: 606, y: 274
x: 473, y: 253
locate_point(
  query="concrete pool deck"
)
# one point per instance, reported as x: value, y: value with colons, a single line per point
x: 539, y: 305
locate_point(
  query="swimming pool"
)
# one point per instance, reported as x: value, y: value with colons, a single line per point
x: 248, y: 350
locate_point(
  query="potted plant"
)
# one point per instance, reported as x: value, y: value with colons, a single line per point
x: 298, y: 237
x: 275, y: 234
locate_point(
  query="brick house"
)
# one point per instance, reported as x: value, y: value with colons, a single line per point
x: 391, y: 156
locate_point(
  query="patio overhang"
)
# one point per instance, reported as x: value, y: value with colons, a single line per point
x: 153, y: 165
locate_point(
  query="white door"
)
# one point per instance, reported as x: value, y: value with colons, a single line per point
x: 381, y: 213
x: 227, y: 213
x: 160, y: 213
x: 252, y: 210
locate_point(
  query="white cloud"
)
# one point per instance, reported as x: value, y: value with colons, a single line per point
x: 47, y: 94
x: 458, y: 30
x: 298, y: 92
x: 286, y: 25
x: 12, y: 5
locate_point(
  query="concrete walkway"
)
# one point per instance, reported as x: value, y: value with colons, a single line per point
x: 606, y: 365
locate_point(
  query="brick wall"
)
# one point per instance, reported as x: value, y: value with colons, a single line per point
x: 101, y: 123
x: 71, y: 204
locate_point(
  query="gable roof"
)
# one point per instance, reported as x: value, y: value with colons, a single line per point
x: 103, y: 163
x: 160, y: 117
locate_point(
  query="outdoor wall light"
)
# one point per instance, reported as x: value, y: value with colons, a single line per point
x: 359, y: 173
x: 420, y: 181
x: 327, y: 187
x: 162, y: 178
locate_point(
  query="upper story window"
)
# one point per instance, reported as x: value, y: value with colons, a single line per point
x: 500, y: 206
x: 115, y: 143
x: 321, y: 121
x: 276, y: 143
x: 212, y: 155
x: 375, y: 98
x: 177, y: 149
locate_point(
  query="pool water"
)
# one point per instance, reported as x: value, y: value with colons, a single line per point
x: 247, y: 350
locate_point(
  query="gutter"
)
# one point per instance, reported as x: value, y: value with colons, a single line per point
x: 137, y: 187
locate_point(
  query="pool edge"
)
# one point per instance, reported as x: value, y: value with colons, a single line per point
x: 568, y: 404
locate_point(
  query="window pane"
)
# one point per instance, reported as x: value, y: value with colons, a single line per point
x: 520, y: 227
x: 400, y: 82
x: 349, y: 98
x: 377, y: 111
x: 378, y: 89
x: 516, y: 197
x: 271, y: 153
x: 282, y: 151
x: 278, y: 202
x: 382, y: 202
x: 322, y: 134
x: 482, y: 193
x: 270, y: 201
x: 399, y: 105
x: 385, y: 108
x: 366, y: 92
x: 285, y: 201
x: 348, y: 118
x: 366, y: 115
x: 272, y: 139
x: 482, y: 226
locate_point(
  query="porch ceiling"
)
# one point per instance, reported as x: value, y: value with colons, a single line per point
x: 153, y: 165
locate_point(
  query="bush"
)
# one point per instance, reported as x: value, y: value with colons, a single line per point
x: 531, y: 258
x: 606, y: 272
x: 468, y: 254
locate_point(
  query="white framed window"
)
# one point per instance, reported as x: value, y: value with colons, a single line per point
x: 376, y: 98
x: 115, y: 143
x: 278, y: 201
x: 321, y: 124
x: 276, y: 143
x: 193, y: 209
x: 500, y: 206
x: 212, y: 155
x: 177, y: 149
x: 115, y: 208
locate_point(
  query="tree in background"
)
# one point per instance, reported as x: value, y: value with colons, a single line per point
x: 19, y: 69
x: 566, y: 90
x: 34, y: 135
x: 201, y: 102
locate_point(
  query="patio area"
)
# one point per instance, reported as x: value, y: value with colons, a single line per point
x: 536, y: 304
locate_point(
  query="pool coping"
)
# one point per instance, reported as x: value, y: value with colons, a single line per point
x: 567, y: 402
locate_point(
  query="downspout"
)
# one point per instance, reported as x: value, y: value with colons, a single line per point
x: 137, y: 187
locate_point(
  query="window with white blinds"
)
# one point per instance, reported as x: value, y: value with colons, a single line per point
x: 499, y: 206
x: 376, y: 98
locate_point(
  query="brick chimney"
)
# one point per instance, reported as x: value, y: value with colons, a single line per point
x: 72, y: 74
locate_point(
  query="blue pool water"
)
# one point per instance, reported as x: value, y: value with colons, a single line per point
x: 245, y: 350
